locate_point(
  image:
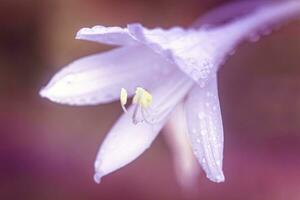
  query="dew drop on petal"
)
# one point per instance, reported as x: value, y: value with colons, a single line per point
x: 201, y: 83
x: 196, y: 152
x: 254, y: 37
x: 208, y: 94
x: 267, y: 31
x: 232, y: 52
x: 214, y: 108
x: 201, y: 115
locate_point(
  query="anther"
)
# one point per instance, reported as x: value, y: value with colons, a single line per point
x: 123, y: 99
x: 142, y: 101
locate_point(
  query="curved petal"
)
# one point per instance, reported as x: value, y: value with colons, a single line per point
x: 106, y: 35
x: 123, y: 144
x: 228, y: 12
x: 126, y: 141
x: 168, y: 95
x: 221, y: 41
x: 199, y: 52
x: 193, y: 51
x: 186, y: 165
x: 158, y: 39
x: 99, y: 78
x: 205, y: 129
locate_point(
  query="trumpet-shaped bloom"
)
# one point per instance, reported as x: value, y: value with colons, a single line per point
x: 161, y: 68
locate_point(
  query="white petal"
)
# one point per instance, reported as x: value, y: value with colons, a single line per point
x: 193, y: 51
x: 158, y: 39
x: 99, y: 78
x: 106, y: 35
x: 221, y: 41
x: 168, y: 95
x: 228, y: 12
x: 126, y: 141
x: 186, y: 165
x: 199, y: 52
x: 123, y: 144
x: 205, y: 129
x: 263, y: 19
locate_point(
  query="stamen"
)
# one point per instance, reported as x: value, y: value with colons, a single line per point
x: 142, y: 99
x: 145, y: 110
x: 123, y: 99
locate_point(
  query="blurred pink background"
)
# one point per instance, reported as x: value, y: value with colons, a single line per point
x: 48, y: 150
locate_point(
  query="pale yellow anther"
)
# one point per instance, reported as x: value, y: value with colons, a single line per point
x: 142, y: 100
x: 142, y: 97
x: 123, y: 98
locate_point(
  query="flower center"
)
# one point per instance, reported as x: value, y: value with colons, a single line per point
x: 142, y: 101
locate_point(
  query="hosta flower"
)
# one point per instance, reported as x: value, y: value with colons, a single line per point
x: 161, y: 68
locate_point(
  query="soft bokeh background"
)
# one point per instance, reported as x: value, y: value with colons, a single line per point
x: 47, y: 150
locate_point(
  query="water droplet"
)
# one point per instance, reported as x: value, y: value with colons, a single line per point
x: 201, y: 83
x: 254, y: 37
x: 267, y: 31
x: 214, y: 108
x: 232, y: 52
x: 203, y: 124
x: 223, y: 61
x: 214, y: 139
x: 201, y: 115
x: 204, y: 73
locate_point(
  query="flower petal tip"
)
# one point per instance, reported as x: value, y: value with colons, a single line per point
x: 83, y: 32
x: 78, y: 35
x: 97, y: 177
x: 218, y: 178
x: 43, y: 92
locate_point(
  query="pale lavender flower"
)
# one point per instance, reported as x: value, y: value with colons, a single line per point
x: 175, y: 65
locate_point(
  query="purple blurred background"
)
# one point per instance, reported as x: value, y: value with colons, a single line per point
x: 48, y: 150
